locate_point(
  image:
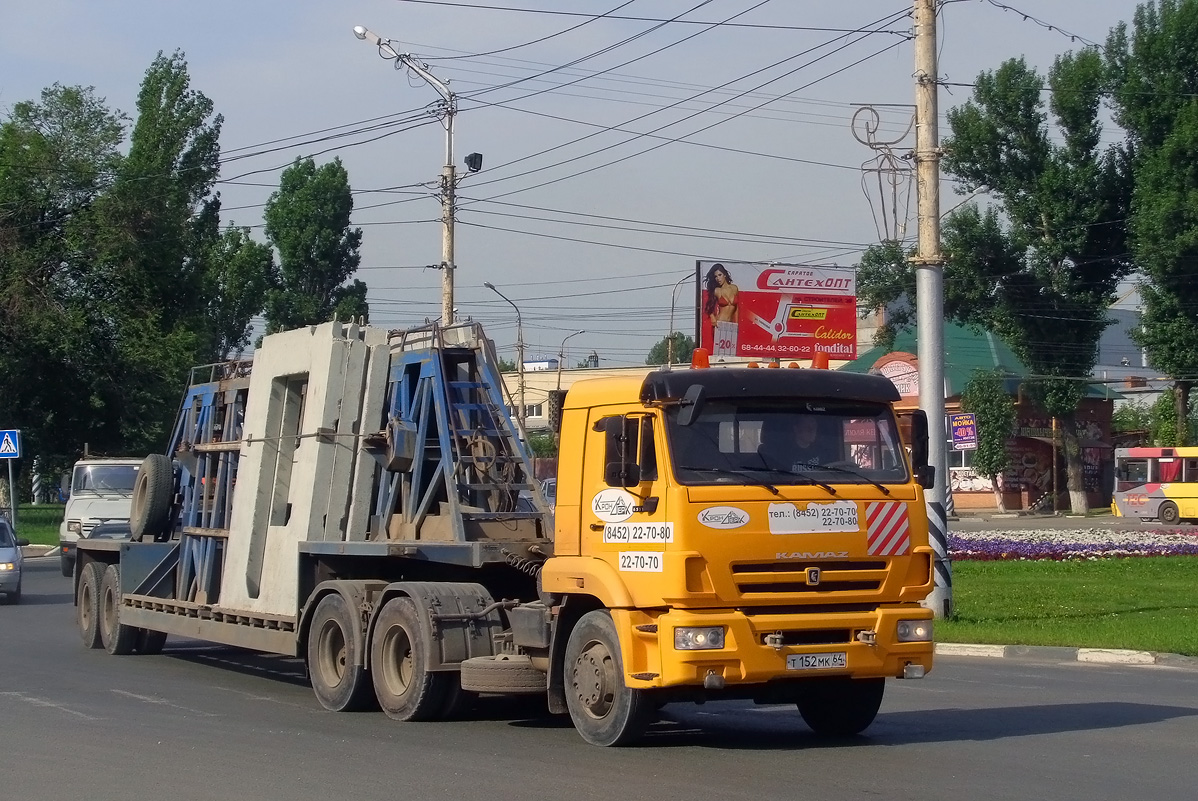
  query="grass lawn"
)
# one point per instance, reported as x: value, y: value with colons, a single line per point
x: 1148, y: 604
x: 39, y: 524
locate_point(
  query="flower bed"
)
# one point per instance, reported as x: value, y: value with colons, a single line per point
x: 1094, y: 543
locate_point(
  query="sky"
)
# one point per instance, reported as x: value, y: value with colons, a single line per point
x: 622, y: 140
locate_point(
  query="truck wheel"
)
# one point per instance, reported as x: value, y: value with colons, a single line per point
x: 604, y: 709
x: 841, y: 707
x: 153, y: 491
x: 335, y: 668
x: 150, y: 642
x: 118, y: 638
x: 405, y: 689
x: 1167, y: 514
x: 503, y: 674
x: 87, y: 604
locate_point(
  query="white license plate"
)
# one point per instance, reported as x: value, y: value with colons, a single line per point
x: 816, y: 661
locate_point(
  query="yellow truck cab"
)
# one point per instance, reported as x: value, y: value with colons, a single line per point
x: 733, y: 563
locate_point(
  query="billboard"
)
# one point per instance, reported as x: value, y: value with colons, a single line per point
x: 788, y: 311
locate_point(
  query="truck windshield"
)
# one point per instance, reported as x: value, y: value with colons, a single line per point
x: 804, y: 443
x: 104, y: 478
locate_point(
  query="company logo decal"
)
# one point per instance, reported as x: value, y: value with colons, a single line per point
x: 613, y: 505
x: 723, y: 517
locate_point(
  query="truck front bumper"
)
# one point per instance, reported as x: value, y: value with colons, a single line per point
x: 766, y: 647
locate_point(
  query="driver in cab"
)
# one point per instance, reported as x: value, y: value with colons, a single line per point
x: 799, y: 445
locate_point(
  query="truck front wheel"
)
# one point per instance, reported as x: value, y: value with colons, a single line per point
x: 405, y: 688
x: 840, y: 707
x: 338, y: 679
x: 604, y: 709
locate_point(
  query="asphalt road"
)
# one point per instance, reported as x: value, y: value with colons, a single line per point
x: 212, y: 723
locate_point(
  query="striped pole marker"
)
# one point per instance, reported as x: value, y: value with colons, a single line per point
x: 37, y: 481
x: 940, y: 600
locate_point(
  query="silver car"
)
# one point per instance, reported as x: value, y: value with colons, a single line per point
x: 10, y: 563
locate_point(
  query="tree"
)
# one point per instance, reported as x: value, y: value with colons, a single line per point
x: 240, y: 273
x: 506, y: 365
x: 1154, y: 76
x: 58, y: 155
x: 986, y: 396
x: 683, y: 346
x: 1039, y: 266
x: 152, y: 233
x: 307, y: 220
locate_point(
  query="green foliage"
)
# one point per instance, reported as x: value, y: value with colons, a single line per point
x: 307, y: 220
x: 1132, y: 415
x: 1154, y: 75
x: 541, y: 444
x: 506, y: 365
x: 1157, y: 420
x: 985, y: 395
x: 886, y: 280
x: 240, y: 274
x: 683, y: 345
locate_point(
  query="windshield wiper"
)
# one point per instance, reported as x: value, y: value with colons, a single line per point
x: 806, y: 478
x: 885, y: 490
x: 747, y: 475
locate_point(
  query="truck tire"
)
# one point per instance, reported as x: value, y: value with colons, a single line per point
x: 150, y: 642
x: 153, y: 492
x: 118, y: 638
x: 502, y: 674
x: 604, y: 709
x: 841, y: 707
x: 405, y: 689
x: 336, y: 671
x: 1168, y: 514
x: 87, y: 604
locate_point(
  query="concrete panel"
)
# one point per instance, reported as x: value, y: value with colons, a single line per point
x: 374, y: 407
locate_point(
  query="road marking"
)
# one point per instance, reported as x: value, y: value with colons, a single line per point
x: 35, y: 701
x: 163, y: 702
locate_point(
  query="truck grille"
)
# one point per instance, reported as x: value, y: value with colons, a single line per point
x: 793, y: 577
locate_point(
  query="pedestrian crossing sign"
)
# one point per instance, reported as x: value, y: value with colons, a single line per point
x: 10, y: 444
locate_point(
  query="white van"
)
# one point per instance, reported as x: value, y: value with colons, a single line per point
x: 101, y: 492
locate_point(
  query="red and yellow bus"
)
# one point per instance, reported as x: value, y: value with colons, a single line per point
x: 1156, y: 483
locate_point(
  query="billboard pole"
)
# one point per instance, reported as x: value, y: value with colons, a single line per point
x: 929, y: 292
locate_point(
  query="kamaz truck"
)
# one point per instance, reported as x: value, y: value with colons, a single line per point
x: 350, y: 497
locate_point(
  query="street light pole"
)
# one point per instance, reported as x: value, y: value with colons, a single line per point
x: 448, y: 172
x: 670, y: 336
x: 520, y: 412
x: 561, y: 355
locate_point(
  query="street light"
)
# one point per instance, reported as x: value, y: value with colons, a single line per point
x: 670, y: 337
x: 519, y: 355
x: 561, y: 355
x: 449, y: 102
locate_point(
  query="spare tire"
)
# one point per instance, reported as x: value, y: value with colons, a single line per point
x: 153, y: 492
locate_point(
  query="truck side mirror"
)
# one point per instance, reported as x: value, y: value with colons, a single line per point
x: 620, y: 468
x: 692, y: 404
x: 925, y: 474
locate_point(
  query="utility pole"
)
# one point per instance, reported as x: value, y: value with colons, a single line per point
x: 929, y: 291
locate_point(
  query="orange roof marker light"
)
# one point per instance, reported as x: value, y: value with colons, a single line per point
x: 700, y: 358
x: 792, y: 365
x: 819, y: 360
x: 773, y: 365
x: 753, y: 365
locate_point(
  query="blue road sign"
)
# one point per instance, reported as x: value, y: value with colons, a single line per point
x: 10, y: 444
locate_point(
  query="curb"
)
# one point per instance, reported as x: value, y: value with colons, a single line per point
x: 35, y: 551
x: 1048, y: 653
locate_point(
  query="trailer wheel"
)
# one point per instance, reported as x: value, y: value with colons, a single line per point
x: 604, y: 709
x: 335, y: 668
x: 87, y: 604
x: 841, y: 707
x: 150, y: 642
x: 118, y: 638
x: 153, y: 491
x: 1167, y: 514
x: 405, y: 689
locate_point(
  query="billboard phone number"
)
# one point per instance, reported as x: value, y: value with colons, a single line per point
x: 638, y: 532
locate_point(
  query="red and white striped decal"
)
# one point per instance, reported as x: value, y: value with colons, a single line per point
x: 889, y: 530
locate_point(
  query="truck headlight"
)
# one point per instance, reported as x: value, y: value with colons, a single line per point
x: 914, y: 631
x: 7, y: 566
x: 74, y: 527
x: 692, y: 638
